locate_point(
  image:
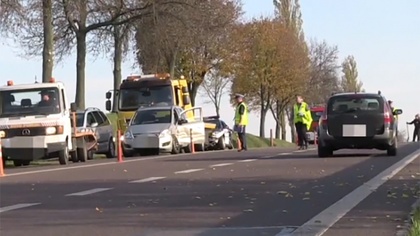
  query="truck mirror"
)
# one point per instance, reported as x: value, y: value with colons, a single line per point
x: 397, y: 112
x: 73, y: 107
x: 108, y: 105
x: 108, y: 95
x: 186, y: 99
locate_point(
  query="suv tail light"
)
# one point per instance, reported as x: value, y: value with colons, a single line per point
x: 387, y: 116
x: 324, y: 120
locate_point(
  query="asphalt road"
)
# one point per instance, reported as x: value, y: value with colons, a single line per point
x: 269, y: 192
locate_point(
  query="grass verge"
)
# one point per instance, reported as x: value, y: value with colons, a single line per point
x: 415, y: 220
x: 253, y: 140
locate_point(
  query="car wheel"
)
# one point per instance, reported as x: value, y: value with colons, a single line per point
x: 111, y: 149
x: 324, y: 151
x: 17, y: 163
x: 90, y: 155
x: 127, y: 153
x: 187, y: 149
x: 221, y: 145
x: 199, y: 147
x: 176, y: 148
x: 392, y: 150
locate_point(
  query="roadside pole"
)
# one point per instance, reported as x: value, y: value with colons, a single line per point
x: 119, y: 147
x: 192, y: 142
x: 1, y: 161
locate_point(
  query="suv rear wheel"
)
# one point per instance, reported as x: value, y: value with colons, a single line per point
x: 324, y: 151
x: 392, y: 150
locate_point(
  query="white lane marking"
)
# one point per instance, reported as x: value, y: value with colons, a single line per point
x: 90, y: 191
x: 284, y: 154
x: 17, y: 206
x: 187, y: 171
x: 300, y: 151
x: 150, y: 179
x: 106, y: 163
x: 221, y: 164
x: 248, y: 160
x: 319, y: 224
x: 266, y: 157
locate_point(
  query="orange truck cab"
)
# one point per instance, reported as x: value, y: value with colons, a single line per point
x: 316, y: 115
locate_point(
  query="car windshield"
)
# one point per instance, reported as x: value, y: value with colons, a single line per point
x: 80, y: 118
x: 133, y: 98
x: 152, y: 116
x: 355, y: 104
x: 30, y: 102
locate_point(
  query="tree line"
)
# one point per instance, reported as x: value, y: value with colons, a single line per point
x: 208, y: 42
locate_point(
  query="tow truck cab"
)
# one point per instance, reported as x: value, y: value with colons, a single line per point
x: 138, y: 91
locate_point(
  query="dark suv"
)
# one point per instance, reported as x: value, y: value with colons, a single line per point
x: 357, y: 121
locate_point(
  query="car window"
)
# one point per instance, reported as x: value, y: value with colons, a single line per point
x: 355, y: 104
x: 90, y: 119
x: 98, y: 118
x: 104, y: 118
x: 155, y: 116
x: 316, y: 115
x: 224, y: 125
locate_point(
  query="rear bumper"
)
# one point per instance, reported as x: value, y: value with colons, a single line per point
x: 381, y: 142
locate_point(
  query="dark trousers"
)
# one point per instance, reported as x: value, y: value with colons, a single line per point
x: 301, y: 133
x: 242, y: 137
x: 416, y: 134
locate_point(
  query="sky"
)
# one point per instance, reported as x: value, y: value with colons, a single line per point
x: 384, y: 38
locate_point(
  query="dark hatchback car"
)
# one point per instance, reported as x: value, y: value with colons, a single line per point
x: 357, y: 121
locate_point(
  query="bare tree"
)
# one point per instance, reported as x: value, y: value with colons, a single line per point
x: 324, y: 78
x: 215, y: 86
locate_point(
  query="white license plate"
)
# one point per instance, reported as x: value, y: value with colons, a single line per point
x: 354, y: 130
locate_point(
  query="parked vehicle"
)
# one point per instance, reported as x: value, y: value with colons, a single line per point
x: 94, y: 120
x: 316, y: 113
x: 219, y: 138
x: 35, y: 123
x: 358, y: 121
x: 164, y: 129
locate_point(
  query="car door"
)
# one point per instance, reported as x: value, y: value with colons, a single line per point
x: 108, y: 129
x: 193, y: 127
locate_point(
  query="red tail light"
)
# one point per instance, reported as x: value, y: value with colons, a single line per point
x: 324, y: 120
x: 387, y: 116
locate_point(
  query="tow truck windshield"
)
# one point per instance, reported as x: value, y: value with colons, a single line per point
x: 130, y: 99
x: 30, y: 102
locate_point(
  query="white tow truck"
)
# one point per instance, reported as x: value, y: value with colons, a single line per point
x: 36, y: 123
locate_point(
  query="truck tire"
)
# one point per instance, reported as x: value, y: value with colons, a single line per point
x: 63, y: 156
x: 73, y: 157
x: 82, y: 152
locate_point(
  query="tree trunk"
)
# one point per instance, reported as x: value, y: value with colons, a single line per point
x: 118, y: 53
x: 80, y: 70
x: 283, y: 125
x: 278, y: 120
x: 172, y: 65
x: 278, y: 130
x: 263, y: 115
x: 48, y: 50
x: 291, y: 124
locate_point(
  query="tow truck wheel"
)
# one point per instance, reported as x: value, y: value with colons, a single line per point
x: 200, y: 147
x: 73, y: 157
x: 63, y: 156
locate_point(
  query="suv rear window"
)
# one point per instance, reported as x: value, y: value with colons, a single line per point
x: 355, y: 103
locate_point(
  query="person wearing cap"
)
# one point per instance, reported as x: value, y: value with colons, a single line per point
x: 46, y: 101
x: 241, y: 121
x: 416, y: 123
x: 302, y: 119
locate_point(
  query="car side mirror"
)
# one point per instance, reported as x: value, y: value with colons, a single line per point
x: 397, y: 112
x: 108, y: 105
x: 73, y: 107
x: 94, y: 125
x: 182, y: 121
x: 108, y: 95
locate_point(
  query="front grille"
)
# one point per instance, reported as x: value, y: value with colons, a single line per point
x: 23, y: 132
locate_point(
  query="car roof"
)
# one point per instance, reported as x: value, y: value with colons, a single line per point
x: 361, y: 94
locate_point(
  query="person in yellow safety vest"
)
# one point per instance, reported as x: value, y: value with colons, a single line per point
x: 395, y: 116
x: 241, y: 121
x: 302, y: 119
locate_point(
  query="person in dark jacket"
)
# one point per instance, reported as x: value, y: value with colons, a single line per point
x: 416, y: 123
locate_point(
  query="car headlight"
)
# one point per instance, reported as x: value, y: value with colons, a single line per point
x: 51, y: 130
x: 164, y: 133
x: 2, y: 134
x: 215, y: 134
x: 128, y: 135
